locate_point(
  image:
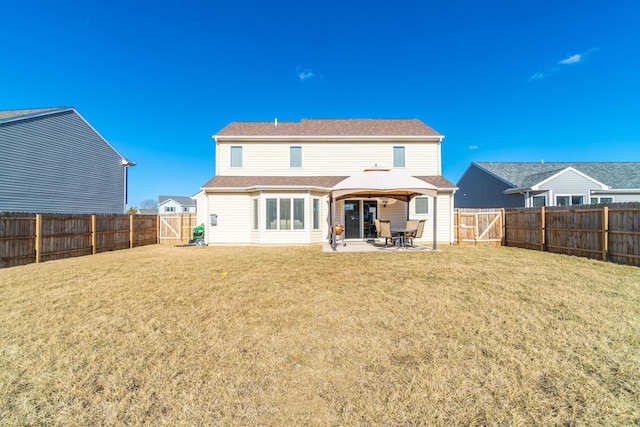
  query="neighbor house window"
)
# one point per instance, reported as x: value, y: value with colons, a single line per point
x: 316, y: 214
x: 236, y: 157
x: 422, y: 205
x: 255, y: 213
x: 295, y: 157
x: 537, y: 201
x: 569, y: 200
x: 603, y: 200
x: 398, y: 157
x: 285, y: 214
x: 169, y: 209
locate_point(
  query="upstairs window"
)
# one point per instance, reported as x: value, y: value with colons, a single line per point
x: 295, y: 157
x: 236, y: 157
x: 398, y: 157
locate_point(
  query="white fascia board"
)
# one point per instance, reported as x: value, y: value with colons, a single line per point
x: 517, y: 190
x: 569, y: 169
x: 617, y: 191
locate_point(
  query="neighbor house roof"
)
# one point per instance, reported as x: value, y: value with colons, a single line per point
x: 325, y: 182
x: 11, y: 115
x: 616, y: 175
x: 181, y: 200
x: 330, y: 127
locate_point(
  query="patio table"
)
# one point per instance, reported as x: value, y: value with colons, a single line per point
x: 401, y: 234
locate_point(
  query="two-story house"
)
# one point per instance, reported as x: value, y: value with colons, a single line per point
x: 53, y: 160
x: 274, y: 180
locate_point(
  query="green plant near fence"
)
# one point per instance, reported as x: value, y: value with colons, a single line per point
x: 31, y: 237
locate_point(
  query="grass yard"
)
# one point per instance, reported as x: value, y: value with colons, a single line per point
x: 159, y: 335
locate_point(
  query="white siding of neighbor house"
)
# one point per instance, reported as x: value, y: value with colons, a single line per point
x: 328, y: 158
x: 178, y: 208
x: 620, y: 198
x: 201, y: 208
x: 58, y: 163
x: 570, y: 182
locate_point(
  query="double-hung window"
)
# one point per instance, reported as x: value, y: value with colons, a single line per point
x: 295, y: 157
x: 398, y: 157
x: 236, y: 156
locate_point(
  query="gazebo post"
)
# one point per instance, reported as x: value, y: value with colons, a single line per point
x: 333, y: 220
x: 435, y: 222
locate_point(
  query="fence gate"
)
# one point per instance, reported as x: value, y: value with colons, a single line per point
x: 473, y: 226
x: 176, y: 226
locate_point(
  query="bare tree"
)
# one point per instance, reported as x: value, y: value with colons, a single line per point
x: 149, y: 204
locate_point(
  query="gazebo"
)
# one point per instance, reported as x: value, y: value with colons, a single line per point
x: 381, y: 183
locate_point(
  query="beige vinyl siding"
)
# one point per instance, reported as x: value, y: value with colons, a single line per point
x: 201, y: 209
x: 234, y: 218
x: 329, y: 158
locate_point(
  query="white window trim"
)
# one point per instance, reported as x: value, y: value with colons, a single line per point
x: 585, y: 197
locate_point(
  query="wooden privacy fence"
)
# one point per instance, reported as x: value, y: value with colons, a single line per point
x: 29, y: 237
x: 176, y: 226
x: 605, y: 232
x: 478, y: 226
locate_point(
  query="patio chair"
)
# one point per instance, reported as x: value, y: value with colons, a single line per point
x: 418, y: 233
x: 385, y: 231
x: 412, y: 224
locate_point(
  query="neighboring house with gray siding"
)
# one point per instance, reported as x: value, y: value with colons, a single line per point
x: 522, y: 184
x: 53, y: 160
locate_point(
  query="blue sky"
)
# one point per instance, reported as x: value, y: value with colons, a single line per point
x: 502, y: 80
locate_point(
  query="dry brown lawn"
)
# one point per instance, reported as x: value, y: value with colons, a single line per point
x: 292, y: 336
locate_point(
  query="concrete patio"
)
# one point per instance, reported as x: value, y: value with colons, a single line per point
x: 371, y: 246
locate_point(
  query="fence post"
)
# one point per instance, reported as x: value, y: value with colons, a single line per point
x: 459, y: 226
x: 157, y: 229
x: 503, y: 230
x: 605, y: 232
x: 38, y: 237
x: 131, y: 231
x: 94, y: 237
x: 542, y: 229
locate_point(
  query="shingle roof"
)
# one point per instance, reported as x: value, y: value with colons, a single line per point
x: 617, y: 175
x: 300, y: 181
x: 331, y: 127
x: 8, y: 115
x: 181, y: 200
